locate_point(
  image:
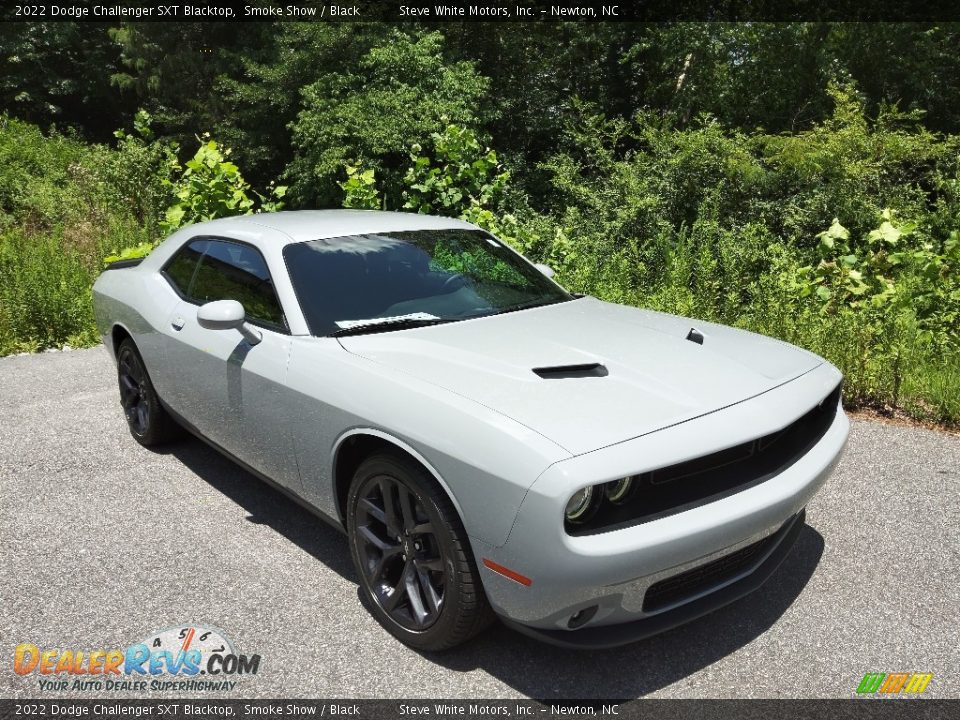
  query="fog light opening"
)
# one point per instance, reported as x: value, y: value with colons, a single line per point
x: 581, y: 617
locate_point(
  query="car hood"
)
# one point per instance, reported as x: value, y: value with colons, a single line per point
x: 650, y: 374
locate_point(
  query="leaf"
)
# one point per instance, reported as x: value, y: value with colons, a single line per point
x: 824, y: 293
x: 174, y: 215
x: 886, y: 233
x: 835, y: 232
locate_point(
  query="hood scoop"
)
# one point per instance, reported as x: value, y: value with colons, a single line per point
x: 564, y: 372
x: 695, y: 336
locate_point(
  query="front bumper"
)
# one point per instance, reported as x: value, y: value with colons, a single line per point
x: 608, y: 575
x: 777, y: 547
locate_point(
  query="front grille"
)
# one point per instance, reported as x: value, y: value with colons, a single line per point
x: 691, y: 583
x: 674, y: 489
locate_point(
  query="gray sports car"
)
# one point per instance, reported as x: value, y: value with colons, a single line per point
x: 492, y: 444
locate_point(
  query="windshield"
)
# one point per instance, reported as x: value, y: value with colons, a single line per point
x: 361, y: 281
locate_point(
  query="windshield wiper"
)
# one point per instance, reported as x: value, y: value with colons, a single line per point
x: 386, y: 324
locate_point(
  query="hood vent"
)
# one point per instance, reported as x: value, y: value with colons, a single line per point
x: 562, y: 372
x: 695, y: 336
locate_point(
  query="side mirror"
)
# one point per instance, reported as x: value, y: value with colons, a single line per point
x: 227, y: 315
x: 545, y: 269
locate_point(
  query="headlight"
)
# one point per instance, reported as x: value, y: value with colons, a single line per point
x: 605, y: 499
x: 582, y: 505
x: 619, y: 491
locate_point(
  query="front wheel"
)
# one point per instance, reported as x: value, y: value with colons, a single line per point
x: 149, y: 423
x: 411, y: 552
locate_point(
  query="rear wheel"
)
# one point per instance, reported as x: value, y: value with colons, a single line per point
x: 149, y: 423
x: 417, y: 572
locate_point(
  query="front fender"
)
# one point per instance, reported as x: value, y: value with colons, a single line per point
x: 483, y: 459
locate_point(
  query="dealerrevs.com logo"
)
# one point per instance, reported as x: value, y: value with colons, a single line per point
x: 182, y: 658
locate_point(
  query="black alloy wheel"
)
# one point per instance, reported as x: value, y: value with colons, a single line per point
x: 149, y: 422
x: 133, y: 391
x: 400, y: 553
x: 409, y: 548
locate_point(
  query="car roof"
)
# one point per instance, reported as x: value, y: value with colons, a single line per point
x: 302, y: 225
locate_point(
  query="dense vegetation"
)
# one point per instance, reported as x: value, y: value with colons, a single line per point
x: 799, y: 180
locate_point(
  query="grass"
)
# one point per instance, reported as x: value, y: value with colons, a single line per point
x: 47, y: 278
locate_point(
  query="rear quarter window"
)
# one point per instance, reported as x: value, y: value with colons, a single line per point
x: 181, y: 269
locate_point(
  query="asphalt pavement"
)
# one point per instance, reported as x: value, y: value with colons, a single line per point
x: 103, y: 542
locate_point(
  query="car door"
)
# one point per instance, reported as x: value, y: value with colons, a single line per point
x: 230, y: 390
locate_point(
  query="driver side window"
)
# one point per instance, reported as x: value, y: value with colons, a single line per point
x: 208, y: 270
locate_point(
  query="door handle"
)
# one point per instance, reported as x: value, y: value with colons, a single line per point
x: 177, y: 323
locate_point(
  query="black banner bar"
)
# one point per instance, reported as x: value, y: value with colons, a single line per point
x: 481, y: 11
x: 174, y: 708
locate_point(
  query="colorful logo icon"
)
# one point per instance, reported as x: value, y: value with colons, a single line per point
x: 894, y: 683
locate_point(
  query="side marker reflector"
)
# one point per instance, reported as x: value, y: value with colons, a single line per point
x: 508, y: 573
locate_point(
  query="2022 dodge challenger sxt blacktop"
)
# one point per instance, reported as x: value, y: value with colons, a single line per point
x: 491, y: 443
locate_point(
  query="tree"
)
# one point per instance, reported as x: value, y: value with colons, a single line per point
x: 172, y: 70
x: 59, y: 73
x: 262, y: 96
x: 399, y: 92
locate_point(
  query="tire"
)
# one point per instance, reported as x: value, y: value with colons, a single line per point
x: 149, y: 423
x: 416, y: 570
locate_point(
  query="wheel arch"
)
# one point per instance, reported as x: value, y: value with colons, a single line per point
x: 119, y: 333
x: 355, y: 445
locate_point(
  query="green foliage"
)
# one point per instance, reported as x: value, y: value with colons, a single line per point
x: 893, y: 269
x: 67, y: 207
x: 174, y: 69
x: 130, y: 253
x: 47, y: 302
x: 460, y: 178
x: 258, y: 98
x: 140, y: 171
x: 845, y: 277
x: 59, y: 73
x: 45, y: 299
x: 360, y: 188
x: 455, y: 177
x: 210, y: 187
x: 852, y: 168
x: 396, y: 95
x: 45, y: 180
x: 59, y: 215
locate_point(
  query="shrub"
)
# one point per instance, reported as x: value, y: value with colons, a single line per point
x: 139, y: 173
x: 210, y: 187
